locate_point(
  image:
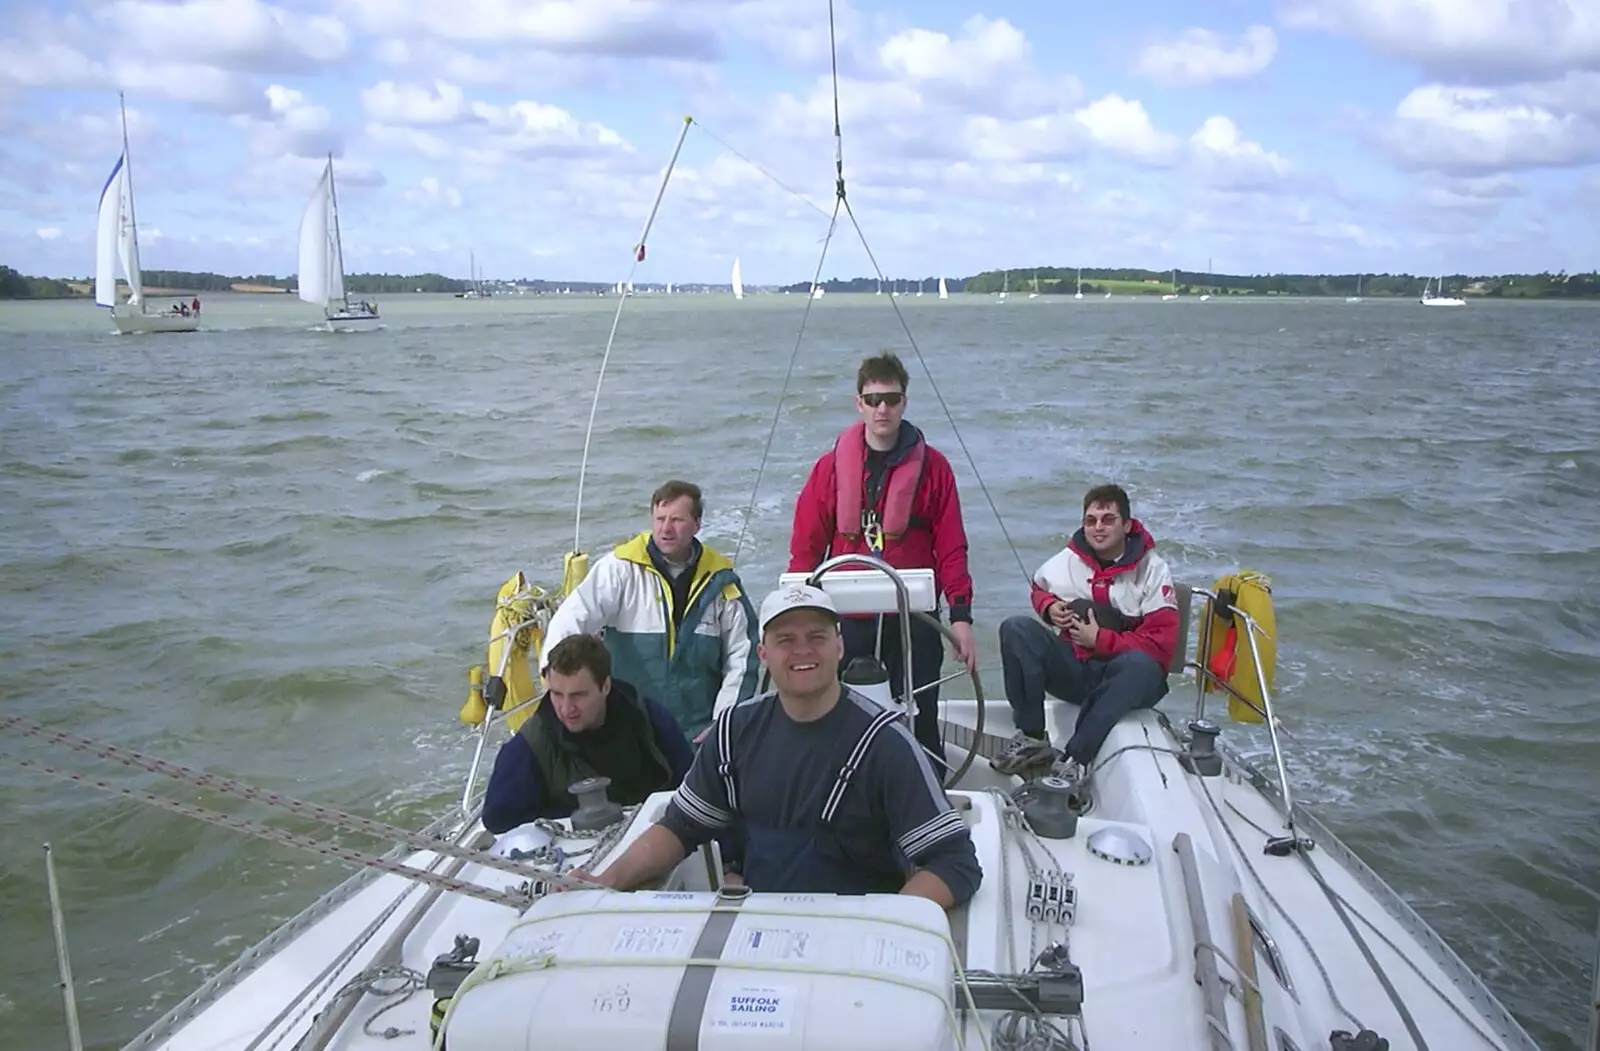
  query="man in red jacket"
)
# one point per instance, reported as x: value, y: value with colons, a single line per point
x: 883, y: 490
x: 1108, y: 622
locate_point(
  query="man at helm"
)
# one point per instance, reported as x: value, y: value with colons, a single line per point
x: 675, y: 615
x: 883, y: 490
x: 830, y: 791
x: 1103, y: 638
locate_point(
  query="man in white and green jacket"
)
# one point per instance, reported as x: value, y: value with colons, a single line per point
x: 673, y: 612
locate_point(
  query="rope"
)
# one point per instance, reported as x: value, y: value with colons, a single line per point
x: 411, y: 982
x: 237, y: 789
x: 1261, y: 885
x: 515, y: 899
x: 616, y: 319
x: 1406, y: 1017
x: 311, y: 992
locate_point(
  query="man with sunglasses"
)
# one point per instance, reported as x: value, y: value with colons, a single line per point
x: 883, y: 490
x: 1107, y: 624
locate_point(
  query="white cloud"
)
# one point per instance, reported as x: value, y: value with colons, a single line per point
x: 1489, y: 187
x: 524, y: 127
x: 985, y: 52
x: 1123, y: 127
x: 1050, y: 136
x: 431, y: 191
x: 37, y: 63
x: 414, y: 140
x: 391, y: 103
x: 1225, y: 159
x: 257, y: 187
x: 295, y: 126
x: 242, y: 35
x: 47, y: 233
x: 1482, y: 196
x: 635, y: 28
x: 1200, y: 56
x: 202, y: 52
x: 536, y: 128
x: 1470, y: 130
x: 1471, y: 41
x: 987, y: 68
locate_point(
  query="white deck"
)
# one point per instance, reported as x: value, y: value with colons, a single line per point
x: 1133, y: 937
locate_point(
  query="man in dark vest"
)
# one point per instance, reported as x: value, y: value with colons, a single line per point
x: 586, y: 725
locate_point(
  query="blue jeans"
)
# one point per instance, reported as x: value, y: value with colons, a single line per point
x: 1037, y: 661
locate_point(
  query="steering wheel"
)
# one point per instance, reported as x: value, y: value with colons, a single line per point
x: 977, y: 695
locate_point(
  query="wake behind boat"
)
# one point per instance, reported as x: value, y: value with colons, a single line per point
x: 321, y: 277
x: 117, y: 248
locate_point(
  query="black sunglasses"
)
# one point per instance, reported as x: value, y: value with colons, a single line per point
x: 889, y: 397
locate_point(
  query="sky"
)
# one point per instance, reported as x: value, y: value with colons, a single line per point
x: 1241, y: 136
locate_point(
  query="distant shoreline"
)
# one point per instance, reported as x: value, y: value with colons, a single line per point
x: 83, y: 289
x: 1094, y: 282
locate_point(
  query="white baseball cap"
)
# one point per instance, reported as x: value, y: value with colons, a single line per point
x: 799, y: 596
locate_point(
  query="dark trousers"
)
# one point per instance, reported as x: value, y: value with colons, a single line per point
x: 1037, y: 661
x: 927, y: 658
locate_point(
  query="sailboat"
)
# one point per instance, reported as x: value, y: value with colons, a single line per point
x: 944, y: 293
x: 1035, y: 293
x: 117, y: 241
x: 737, y: 280
x: 1183, y: 897
x: 477, y: 291
x: 322, y: 261
x: 1357, y: 297
x: 1005, y: 285
x: 1174, y: 293
x: 1079, y: 293
x: 1206, y: 295
x: 1439, y: 299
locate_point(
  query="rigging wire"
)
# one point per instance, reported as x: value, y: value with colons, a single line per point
x: 616, y: 319
x: 777, y: 410
x: 841, y: 200
x: 779, y: 183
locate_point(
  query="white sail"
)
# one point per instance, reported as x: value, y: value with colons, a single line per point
x: 944, y: 293
x: 321, y: 280
x: 738, y: 280
x: 117, y: 240
x: 128, y: 243
x: 106, y: 236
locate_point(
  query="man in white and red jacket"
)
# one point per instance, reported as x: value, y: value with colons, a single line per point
x: 1107, y: 624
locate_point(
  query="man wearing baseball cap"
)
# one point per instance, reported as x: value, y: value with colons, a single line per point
x: 830, y: 791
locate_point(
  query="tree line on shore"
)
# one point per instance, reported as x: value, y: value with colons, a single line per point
x: 1044, y: 280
